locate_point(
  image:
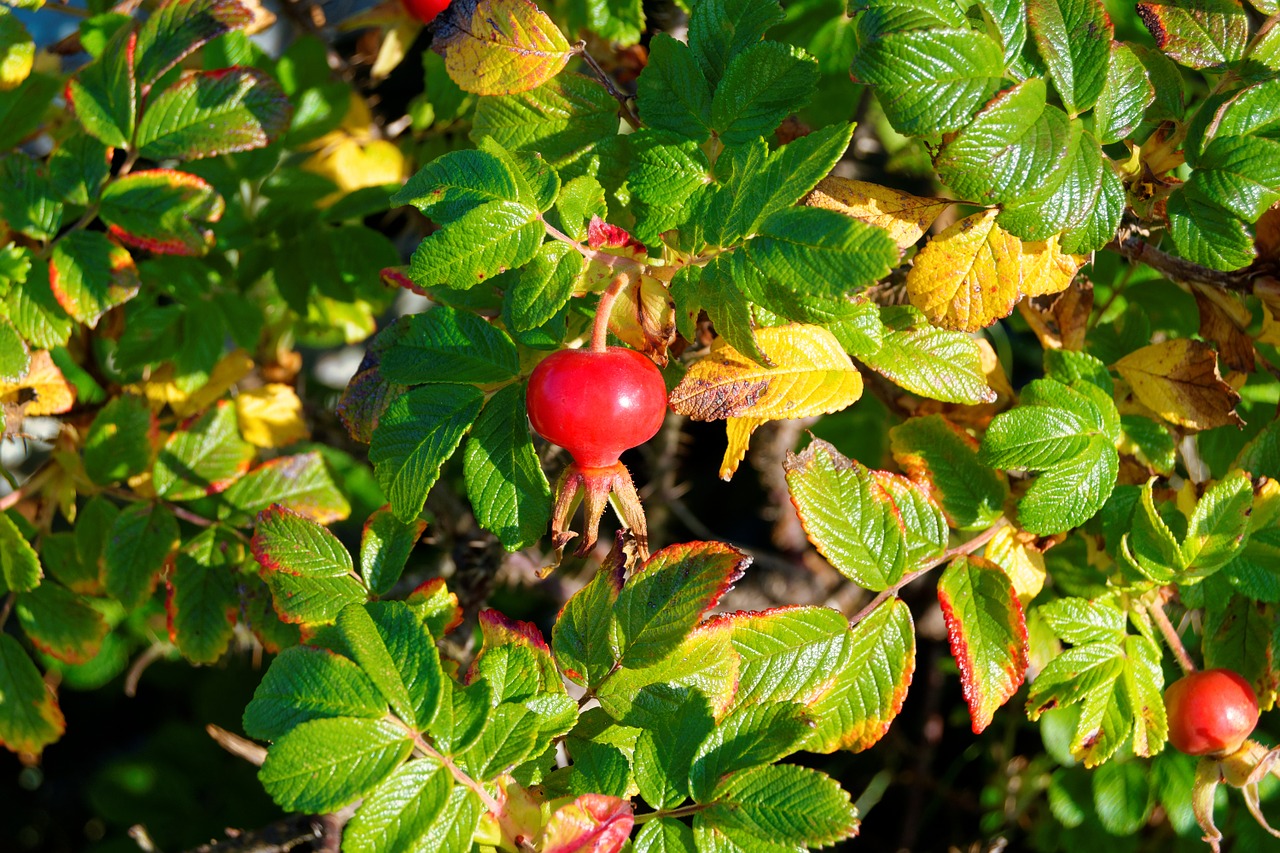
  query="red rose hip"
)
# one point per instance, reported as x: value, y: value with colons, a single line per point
x: 425, y: 10
x: 1210, y: 712
x: 596, y: 404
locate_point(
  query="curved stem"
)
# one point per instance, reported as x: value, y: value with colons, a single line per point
x: 624, y: 100
x: 615, y: 261
x: 1171, y: 638
x: 462, y: 778
x: 600, y: 330
x: 32, y: 484
x: 682, y: 811
x: 960, y: 550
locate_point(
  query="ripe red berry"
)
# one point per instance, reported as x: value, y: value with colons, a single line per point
x: 1210, y: 712
x: 425, y: 10
x: 596, y: 404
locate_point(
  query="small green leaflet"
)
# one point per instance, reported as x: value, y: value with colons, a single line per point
x: 1067, y: 432
x: 415, y: 808
x: 206, y: 113
x: 782, y: 803
x: 479, y: 244
x: 672, y: 93
x: 416, y: 434
x: 204, y: 593
x: 445, y: 345
x: 203, y: 459
x: 116, y: 446
x: 104, y: 95
x: 27, y: 201
x: 988, y: 633
x: 323, y: 764
x: 580, y: 637
x: 941, y: 457
x: 30, y: 718
x: 300, y: 482
x: 761, y: 86
x: 936, y: 363
x: 1208, y: 35
x: 161, y: 210
x: 1074, y: 38
x: 90, y: 275
x: 19, y: 564
x: 720, y: 30
x: 142, y: 538
x: 539, y: 290
x: 177, y: 29
x: 872, y: 685
x: 752, y: 735
x: 60, y: 623
x: 385, y: 546
x: 397, y: 653
x: 457, y: 182
x: 1124, y: 98
x: 307, y: 683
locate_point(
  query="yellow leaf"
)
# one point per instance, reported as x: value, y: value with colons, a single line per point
x: 906, y: 217
x: 160, y: 389
x: 811, y: 375
x: 1024, y: 565
x: 1267, y: 289
x: 353, y: 165
x: 17, y: 51
x: 395, y: 42
x: 1179, y: 381
x: 974, y: 272
x: 271, y: 416
x: 644, y: 317
x: 508, y: 46
x: 43, y: 391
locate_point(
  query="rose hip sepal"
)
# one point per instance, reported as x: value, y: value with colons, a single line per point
x: 596, y: 404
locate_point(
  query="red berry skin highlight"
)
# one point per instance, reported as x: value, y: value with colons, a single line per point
x: 425, y: 10
x: 596, y: 404
x: 1210, y: 712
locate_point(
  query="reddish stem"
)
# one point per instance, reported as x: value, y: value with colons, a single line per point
x: 600, y: 331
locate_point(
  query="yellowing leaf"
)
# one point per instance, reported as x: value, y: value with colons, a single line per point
x: 906, y: 217
x: 812, y: 375
x: 395, y: 41
x: 43, y: 391
x: 1023, y: 564
x: 353, y: 165
x: 974, y: 272
x: 1268, y: 290
x: 644, y: 317
x: 17, y: 51
x: 507, y: 46
x: 1179, y: 381
x: 271, y: 416
x: 160, y: 389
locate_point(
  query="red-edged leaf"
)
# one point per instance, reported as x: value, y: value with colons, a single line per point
x: 668, y: 596
x: 300, y: 483
x: 515, y: 659
x: 876, y: 679
x: 104, y: 95
x: 580, y: 637
x: 30, y: 718
x: 60, y: 623
x: 203, y: 458
x: 942, y: 459
x: 593, y: 823
x: 161, y: 210
x: 206, y: 113
x: 285, y: 541
x: 179, y: 28
x: 436, y: 607
x: 142, y: 538
x: 848, y: 516
x: 988, y: 634
x: 203, y: 601
x: 90, y: 275
x: 602, y: 235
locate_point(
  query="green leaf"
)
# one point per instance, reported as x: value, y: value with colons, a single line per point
x: 508, y: 490
x: 784, y: 804
x: 1237, y: 636
x: 848, y: 516
x: 205, y: 594
x: 668, y: 596
x: 762, y: 85
x: 665, y: 835
x: 206, y: 113
x: 142, y: 538
x: 514, y: 659
x: 23, y: 108
x: 285, y: 541
x: 1067, y: 432
x: 565, y: 119
x: 385, y: 546
x: 305, y: 683
x: 417, y: 433
x: 813, y: 251
x: 714, y: 289
x: 1009, y: 149
x: 1149, y: 442
x: 479, y: 244
x: 1122, y: 796
x: 1074, y: 39
x: 116, y: 446
x: 931, y: 81
x: 457, y: 182
x: 788, y: 654
x: 15, y: 358
x: 160, y: 210
x: 1080, y: 621
x: 663, y: 756
x: 943, y: 459
x: 415, y: 808
x: 518, y: 731
x: 203, y: 459
x: 462, y: 717
x: 30, y: 302
x: 19, y: 563
x: 936, y: 363
x: 300, y: 482
x: 1205, y: 233
x: 30, y: 718
x: 458, y: 347
x: 104, y: 95
x: 704, y: 663
x: 789, y: 173
x: 1143, y: 680
x: 1008, y: 19
x: 537, y: 291
x: 1219, y: 527
x: 666, y: 171
x: 27, y: 201
x: 321, y: 765
x: 1239, y: 174
x: 580, y: 637
x: 1067, y: 366
x: 752, y: 735
x: 1125, y: 96
x: 720, y: 30
x: 1198, y: 33
x: 90, y: 275
x: 598, y: 768
x: 399, y: 655
x: 988, y: 634
x: 60, y: 623
x: 175, y: 30
x: 672, y: 92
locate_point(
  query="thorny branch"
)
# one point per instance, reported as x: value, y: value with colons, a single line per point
x: 1186, y: 272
